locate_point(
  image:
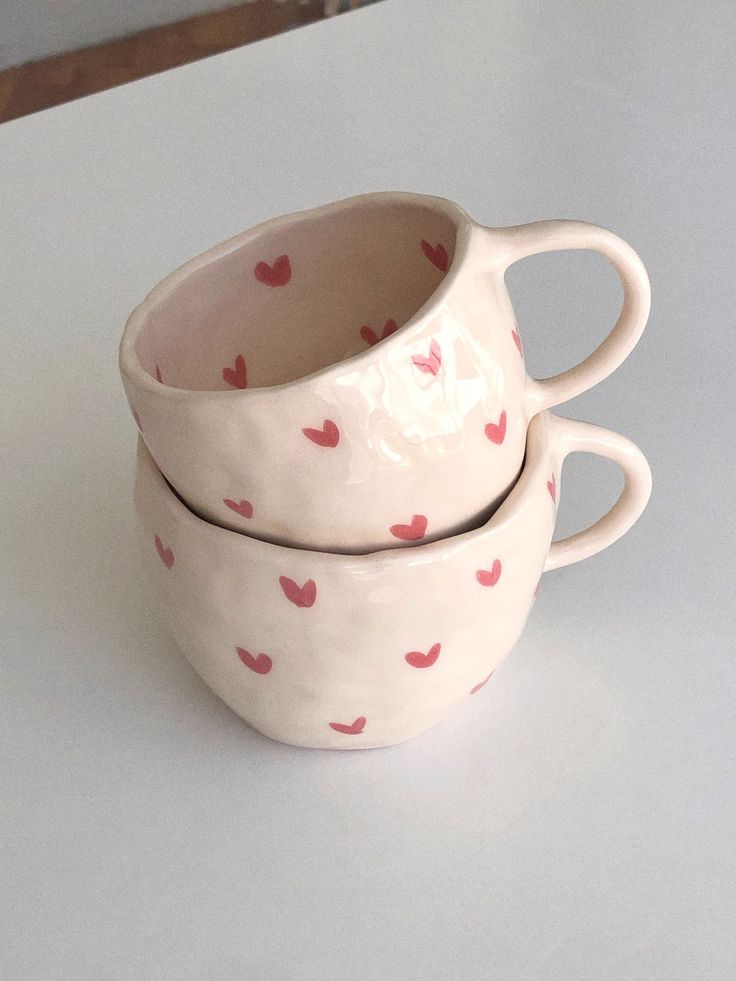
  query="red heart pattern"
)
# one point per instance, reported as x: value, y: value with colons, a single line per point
x: 552, y: 488
x: 166, y: 554
x: 260, y: 664
x: 328, y: 435
x: 299, y: 595
x: 243, y: 508
x: 496, y: 431
x: 432, y: 363
x: 437, y: 254
x: 354, y: 729
x: 277, y: 274
x: 370, y: 336
x: 411, y: 532
x: 489, y: 577
x: 419, y: 660
x: 480, y: 684
x: 237, y: 376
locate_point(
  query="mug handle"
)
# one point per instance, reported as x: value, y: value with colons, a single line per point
x: 553, y: 236
x: 571, y: 436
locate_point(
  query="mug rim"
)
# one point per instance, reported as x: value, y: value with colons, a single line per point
x: 539, y: 436
x: 129, y: 362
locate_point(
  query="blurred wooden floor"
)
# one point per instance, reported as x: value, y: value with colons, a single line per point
x: 38, y: 85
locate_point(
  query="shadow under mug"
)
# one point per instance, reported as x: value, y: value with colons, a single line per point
x: 352, y: 378
x: 355, y: 651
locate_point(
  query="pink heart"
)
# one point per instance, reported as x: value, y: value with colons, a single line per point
x: 437, y: 255
x: 480, y: 685
x: 370, y: 336
x: 244, y: 508
x: 430, y: 364
x: 328, y: 435
x: 489, y: 577
x: 277, y: 274
x: 237, y: 376
x: 354, y: 729
x: 261, y: 663
x: 419, y: 660
x: 166, y: 554
x: 411, y: 532
x: 299, y: 595
x: 517, y: 341
x: 552, y: 488
x: 496, y: 431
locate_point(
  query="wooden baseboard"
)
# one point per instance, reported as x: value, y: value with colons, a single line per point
x: 41, y: 84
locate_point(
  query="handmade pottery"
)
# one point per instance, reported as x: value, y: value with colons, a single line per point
x: 348, y: 652
x: 352, y: 378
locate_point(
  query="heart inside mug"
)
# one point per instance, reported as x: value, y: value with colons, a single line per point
x: 296, y: 296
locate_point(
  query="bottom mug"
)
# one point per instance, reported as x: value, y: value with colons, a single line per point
x: 337, y: 651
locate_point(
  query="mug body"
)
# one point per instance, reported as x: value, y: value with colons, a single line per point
x: 348, y: 651
x: 347, y: 379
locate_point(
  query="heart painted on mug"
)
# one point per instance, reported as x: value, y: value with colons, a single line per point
x: 480, y: 684
x: 261, y: 663
x: 158, y: 375
x: 277, y: 274
x: 328, y: 435
x: 370, y: 336
x: 496, y: 431
x: 244, y: 508
x: 299, y: 595
x: 517, y: 341
x: 166, y: 554
x: 411, y: 532
x: 419, y: 660
x: 552, y: 488
x: 237, y: 376
x: 430, y: 364
x: 489, y: 577
x: 437, y: 254
x: 354, y: 729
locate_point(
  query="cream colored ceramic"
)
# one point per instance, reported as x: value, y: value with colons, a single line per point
x: 343, y: 651
x: 352, y: 378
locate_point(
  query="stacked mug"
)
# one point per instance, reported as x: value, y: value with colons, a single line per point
x: 347, y: 483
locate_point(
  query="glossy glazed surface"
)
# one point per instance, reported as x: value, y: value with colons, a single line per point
x: 339, y: 651
x: 352, y: 378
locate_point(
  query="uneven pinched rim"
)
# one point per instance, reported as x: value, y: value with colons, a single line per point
x: 132, y: 369
x: 542, y: 436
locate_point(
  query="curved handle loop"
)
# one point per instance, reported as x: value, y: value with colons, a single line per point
x: 552, y: 236
x: 572, y: 436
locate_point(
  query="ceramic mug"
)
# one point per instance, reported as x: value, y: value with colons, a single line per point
x: 352, y: 378
x: 344, y: 651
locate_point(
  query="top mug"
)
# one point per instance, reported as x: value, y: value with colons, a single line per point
x: 351, y: 378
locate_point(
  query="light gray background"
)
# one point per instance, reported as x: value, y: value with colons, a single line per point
x: 576, y: 819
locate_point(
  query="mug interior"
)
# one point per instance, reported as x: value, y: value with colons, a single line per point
x: 297, y: 295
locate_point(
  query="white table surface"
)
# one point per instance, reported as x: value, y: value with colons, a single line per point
x: 575, y: 820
